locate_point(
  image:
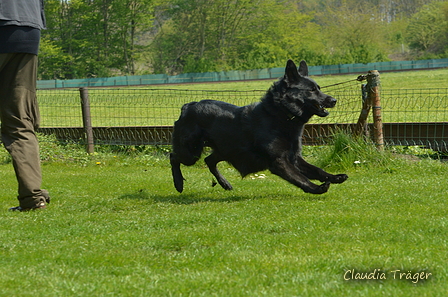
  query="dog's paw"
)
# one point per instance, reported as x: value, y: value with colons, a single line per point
x: 323, y: 188
x: 179, y: 185
x: 339, y: 178
x: 226, y: 185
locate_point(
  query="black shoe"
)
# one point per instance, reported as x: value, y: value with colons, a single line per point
x: 46, y: 196
x: 41, y: 205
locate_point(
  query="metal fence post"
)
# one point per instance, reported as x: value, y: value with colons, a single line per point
x: 87, y: 120
x: 373, y: 89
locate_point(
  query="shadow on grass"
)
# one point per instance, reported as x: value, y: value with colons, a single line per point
x: 183, y: 198
x: 200, y: 197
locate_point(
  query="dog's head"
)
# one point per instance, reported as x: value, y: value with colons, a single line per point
x: 300, y: 95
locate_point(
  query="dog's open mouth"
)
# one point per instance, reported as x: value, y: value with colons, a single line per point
x: 321, y: 111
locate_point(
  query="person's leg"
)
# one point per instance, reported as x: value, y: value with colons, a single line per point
x: 20, y: 117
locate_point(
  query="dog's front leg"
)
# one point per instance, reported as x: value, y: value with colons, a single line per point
x: 283, y: 168
x: 314, y: 172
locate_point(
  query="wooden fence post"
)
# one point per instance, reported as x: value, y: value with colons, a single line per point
x: 87, y: 120
x: 371, y: 100
x: 373, y: 89
x: 361, y: 125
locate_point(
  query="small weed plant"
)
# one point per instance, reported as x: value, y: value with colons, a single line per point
x: 348, y: 151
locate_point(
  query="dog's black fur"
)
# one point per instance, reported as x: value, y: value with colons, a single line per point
x: 265, y: 135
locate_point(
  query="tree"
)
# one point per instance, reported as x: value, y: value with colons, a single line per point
x: 52, y: 60
x: 100, y: 37
x: 354, y: 34
x: 91, y: 38
x: 200, y: 35
x: 427, y: 33
x: 197, y: 35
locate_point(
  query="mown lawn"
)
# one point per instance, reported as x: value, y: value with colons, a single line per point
x: 117, y: 227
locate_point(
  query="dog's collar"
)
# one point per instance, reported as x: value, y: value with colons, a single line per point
x: 294, y: 118
x: 277, y: 113
x: 290, y: 116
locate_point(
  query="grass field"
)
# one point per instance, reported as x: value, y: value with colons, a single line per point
x: 424, y: 79
x: 413, y: 96
x: 117, y: 227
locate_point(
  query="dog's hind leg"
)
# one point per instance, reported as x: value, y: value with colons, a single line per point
x: 177, y: 174
x: 211, y: 162
x: 186, y: 156
x: 188, y: 143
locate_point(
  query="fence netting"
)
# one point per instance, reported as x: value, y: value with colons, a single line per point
x: 139, y: 116
x: 416, y: 117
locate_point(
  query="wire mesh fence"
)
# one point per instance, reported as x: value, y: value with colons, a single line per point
x: 416, y: 117
x: 128, y: 106
x: 160, y: 107
x: 415, y: 105
x: 139, y: 116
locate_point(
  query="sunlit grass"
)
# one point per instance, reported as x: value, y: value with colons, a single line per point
x: 116, y: 226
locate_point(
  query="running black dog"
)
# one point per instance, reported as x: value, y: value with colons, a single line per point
x: 265, y: 135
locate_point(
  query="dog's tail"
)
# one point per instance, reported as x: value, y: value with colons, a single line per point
x: 188, y: 136
x: 187, y: 144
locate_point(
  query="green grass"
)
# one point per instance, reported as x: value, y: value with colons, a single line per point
x: 117, y: 227
x: 421, y: 79
x: 161, y: 106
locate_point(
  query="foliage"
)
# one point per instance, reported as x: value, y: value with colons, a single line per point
x: 348, y: 38
x: 103, y: 38
x: 267, y: 42
x: 219, y: 35
x: 55, y: 151
x: 348, y: 151
x: 53, y: 60
x: 427, y: 32
x: 99, y: 36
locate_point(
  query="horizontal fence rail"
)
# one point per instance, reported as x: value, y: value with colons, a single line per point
x: 143, y: 116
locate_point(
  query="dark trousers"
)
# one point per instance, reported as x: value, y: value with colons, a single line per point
x: 19, y: 120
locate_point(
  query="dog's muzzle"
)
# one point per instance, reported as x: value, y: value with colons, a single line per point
x: 329, y: 102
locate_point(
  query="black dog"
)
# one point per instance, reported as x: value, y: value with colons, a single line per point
x: 265, y: 135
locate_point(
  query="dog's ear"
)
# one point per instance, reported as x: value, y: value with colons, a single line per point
x: 303, y: 68
x: 291, y: 72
